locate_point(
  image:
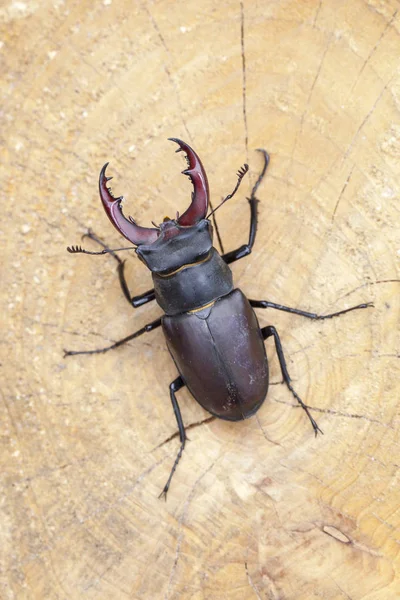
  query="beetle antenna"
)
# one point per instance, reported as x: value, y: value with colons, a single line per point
x: 80, y: 250
x: 240, y: 174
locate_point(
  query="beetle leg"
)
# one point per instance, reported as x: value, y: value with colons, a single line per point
x: 134, y: 301
x: 246, y: 249
x: 176, y: 385
x: 271, y: 331
x: 145, y: 329
x: 141, y: 299
x: 302, y: 313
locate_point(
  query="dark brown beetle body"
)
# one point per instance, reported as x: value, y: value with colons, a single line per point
x: 219, y: 352
x: 211, y: 330
x: 210, y: 327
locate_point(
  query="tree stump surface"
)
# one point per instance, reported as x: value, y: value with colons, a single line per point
x: 257, y: 509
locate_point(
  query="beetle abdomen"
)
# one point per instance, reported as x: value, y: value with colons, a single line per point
x: 220, y: 353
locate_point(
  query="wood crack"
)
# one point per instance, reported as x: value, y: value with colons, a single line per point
x: 244, y: 93
x: 335, y: 413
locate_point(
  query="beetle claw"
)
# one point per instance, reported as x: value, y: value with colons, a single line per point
x: 164, y: 494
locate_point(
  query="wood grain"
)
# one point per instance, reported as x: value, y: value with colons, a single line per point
x: 259, y: 509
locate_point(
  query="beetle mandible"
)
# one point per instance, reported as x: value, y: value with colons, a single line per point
x: 209, y: 325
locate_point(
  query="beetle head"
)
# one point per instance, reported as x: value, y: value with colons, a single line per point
x: 177, y: 246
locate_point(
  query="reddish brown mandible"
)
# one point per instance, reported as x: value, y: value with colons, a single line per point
x: 145, y: 235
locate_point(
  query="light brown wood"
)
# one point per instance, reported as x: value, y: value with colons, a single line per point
x: 259, y: 509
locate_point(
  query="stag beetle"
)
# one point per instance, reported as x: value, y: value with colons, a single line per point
x: 210, y: 326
